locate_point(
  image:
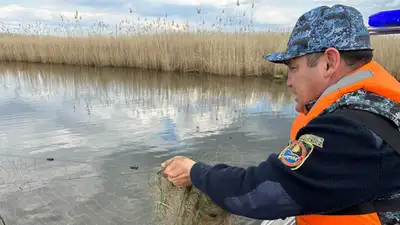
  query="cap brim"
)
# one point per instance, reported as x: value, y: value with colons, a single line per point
x: 278, y: 57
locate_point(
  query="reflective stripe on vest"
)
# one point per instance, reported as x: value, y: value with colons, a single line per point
x: 347, y: 80
x: 370, y: 77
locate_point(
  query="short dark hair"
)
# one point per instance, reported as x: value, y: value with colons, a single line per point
x: 353, y: 59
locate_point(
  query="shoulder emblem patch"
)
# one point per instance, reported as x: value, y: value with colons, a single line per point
x: 313, y: 139
x: 296, y: 153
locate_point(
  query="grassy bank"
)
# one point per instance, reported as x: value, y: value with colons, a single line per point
x: 173, y: 46
x: 222, y: 54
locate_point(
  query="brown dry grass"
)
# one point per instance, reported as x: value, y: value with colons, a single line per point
x: 222, y: 54
x: 387, y: 53
x: 165, y: 45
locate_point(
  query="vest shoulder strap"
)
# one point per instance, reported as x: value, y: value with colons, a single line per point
x: 382, y: 126
x: 389, y: 132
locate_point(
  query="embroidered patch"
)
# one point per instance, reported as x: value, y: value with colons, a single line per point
x: 313, y: 139
x: 296, y: 153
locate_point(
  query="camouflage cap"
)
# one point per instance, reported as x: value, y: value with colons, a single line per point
x: 339, y: 26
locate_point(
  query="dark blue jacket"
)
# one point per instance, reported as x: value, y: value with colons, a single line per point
x: 352, y: 166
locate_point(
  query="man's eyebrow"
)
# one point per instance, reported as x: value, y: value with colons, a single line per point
x: 290, y: 63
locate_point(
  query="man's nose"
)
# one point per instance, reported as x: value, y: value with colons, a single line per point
x: 288, y: 81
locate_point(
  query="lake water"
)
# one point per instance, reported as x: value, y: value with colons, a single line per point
x: 71, y: 138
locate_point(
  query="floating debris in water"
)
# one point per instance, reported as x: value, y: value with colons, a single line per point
x: 134, y: 167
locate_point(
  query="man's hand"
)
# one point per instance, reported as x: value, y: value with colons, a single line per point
x: 177, y: 170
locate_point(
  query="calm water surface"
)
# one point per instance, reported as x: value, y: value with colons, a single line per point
x: 69, y: 137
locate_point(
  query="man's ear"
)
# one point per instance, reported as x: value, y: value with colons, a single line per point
x: 332, y: 57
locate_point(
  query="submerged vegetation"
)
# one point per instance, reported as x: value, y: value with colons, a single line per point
x: 230, y: 45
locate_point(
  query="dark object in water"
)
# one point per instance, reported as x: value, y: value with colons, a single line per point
x: 134, y: 167
x: 50, y: 159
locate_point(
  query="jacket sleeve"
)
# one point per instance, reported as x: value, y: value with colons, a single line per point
x: 334, y: 164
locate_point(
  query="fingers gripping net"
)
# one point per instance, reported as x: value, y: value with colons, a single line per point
x: 189, y: 206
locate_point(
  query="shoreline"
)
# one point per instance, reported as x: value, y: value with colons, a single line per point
x: 239, y: 54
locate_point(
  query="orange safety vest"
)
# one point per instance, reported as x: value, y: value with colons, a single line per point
x: 370, y: 77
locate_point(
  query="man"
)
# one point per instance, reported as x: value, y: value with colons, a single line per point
x: 341, y: 162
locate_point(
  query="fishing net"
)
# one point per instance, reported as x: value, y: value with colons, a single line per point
x: 189, y: 206
x: 186, y: 206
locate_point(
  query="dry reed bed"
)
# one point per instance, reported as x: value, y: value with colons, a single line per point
x: 206, y: 52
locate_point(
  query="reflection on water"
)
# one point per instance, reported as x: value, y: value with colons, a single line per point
x: 96, y: 123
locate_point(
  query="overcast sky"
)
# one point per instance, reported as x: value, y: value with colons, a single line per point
x: 268, y: 13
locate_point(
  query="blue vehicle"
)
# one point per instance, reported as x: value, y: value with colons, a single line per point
x: 385, y: 22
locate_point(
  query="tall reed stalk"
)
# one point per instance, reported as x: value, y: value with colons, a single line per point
x: 230, y: 45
